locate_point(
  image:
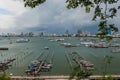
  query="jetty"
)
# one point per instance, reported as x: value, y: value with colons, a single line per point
x: 84, y: 65
x: 40, y: 65
x: 52, y: 58
x: 68, y: 59
x: 3, y: 48
x: 34, y: 69
x: 5, y: 65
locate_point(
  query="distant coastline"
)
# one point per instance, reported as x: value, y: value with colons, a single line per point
x: 31, y: 34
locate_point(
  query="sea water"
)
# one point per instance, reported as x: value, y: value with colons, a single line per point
x: 25, y: 53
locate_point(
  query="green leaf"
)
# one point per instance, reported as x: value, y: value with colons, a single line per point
x: 113, y: 28
x: 118, y: 7
x: 33, y: 3
x: 87, y: 9
x: 92, y: 5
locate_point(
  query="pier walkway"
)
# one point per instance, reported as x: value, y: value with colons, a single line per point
x: 93, y: 77
x: 39, y: 67
x: 5, y: 65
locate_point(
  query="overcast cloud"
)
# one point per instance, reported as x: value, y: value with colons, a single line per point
x: 52, y: 16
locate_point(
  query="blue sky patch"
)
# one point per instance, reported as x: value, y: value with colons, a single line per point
x: 5, y: 12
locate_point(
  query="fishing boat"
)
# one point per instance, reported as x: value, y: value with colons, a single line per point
x: 86, y: 63
x: 115, y: 45
x: 99, y: 46
x: 116, y: 51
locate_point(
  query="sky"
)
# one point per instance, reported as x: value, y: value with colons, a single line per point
x: 50, y: 17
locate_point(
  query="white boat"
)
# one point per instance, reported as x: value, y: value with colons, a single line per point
x: 46, y: 48
x: 61, y: 39
x: 55, y: 40
x: 22, y: 40
x: 87, y: 43
x: 69, y: 45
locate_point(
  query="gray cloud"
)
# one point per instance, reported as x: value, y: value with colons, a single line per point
x: 52, y: 16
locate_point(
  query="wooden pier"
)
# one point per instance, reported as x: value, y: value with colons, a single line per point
x: 68, y: 59
x: 3, y: 48
x: 39, y: 67
x: 4, y: 66
x: 37, y: 70
x: 82, y: 63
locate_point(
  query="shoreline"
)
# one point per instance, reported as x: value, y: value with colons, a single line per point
x: 61, y: 77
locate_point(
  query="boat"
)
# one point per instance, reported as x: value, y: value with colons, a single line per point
x: 116, y: 51
x: 65, y: 44
x: 46, y: 48
x: 86, y: 63
x: 22, y: 40
x: 61, y: 39
x: 87, y: 43
x: 56, y: 40
x: 99, y: 46
x: 69, y: 45
x: 115, y: 45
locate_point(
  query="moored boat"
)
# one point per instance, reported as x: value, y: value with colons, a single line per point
x: 46, y: 48
x: 115, y: 45
x: 87, y: 43
x: 70, y: 45
x: 99, y: 46
x: 116, y: 51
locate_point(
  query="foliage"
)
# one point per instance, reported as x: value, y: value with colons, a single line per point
x: 103, y: 11
x: 4, y: 76
x: 109, y: 78
x: 33, y: 3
